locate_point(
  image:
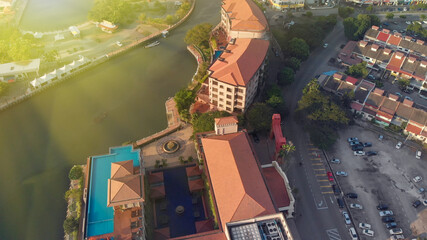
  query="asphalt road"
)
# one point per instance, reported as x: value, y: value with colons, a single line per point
x: 317, y: 215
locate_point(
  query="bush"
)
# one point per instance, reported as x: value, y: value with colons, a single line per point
x: 345, y: 12
x: 287, y: 76
x: 205, y: 122
x: 259, y: 116
x: 75, y: 173
x: 71, y: 225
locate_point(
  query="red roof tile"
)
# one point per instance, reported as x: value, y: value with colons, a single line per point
x: 277, y: 187
x: 413, y: 129
x: 238, y: 187
x: 383, y: 36
x: 351, y: 80
x: 356, y: 106
x: 240, y: 64
x: 226, y: 120
x: 394, y: 40
x: 396, y: 61
x: 245, y: 15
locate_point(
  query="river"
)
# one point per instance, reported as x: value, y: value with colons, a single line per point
x: 44, y: 136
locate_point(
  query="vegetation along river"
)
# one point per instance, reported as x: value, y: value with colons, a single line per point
x: 41, y: 138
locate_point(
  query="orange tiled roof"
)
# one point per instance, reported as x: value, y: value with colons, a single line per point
x: 394, y: 40
x: 413, y: 129
x: 125, y: 190
x: 226, y: 120
x: 121, y: 169
x: 237, y: 184
x: 240, y: 64
x: 245, y: 15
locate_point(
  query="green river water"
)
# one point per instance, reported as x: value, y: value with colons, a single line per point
x: 44, y: 136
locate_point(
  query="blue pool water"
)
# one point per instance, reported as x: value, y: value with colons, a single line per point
x: 178, y: 193
x: 217, y: 54
x: 100, y: 218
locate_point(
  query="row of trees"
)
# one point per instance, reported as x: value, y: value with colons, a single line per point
x: 321, y: 116
x: 16, y: 47
x: 71, y: 223
x: 115, y: 11
x: 169, y: 19
x: 417, y: 28
x: 355, y: 28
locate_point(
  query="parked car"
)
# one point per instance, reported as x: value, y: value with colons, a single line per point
x: 371, y: 153
x: 380, y: 137
x: 336, y: 189
x: 398, y: 94
x: 367, y: 144
x: 330, y: 176
x: 353, y: 233
x: 408, y: 22
x: 368, y: 232
x: 382, y: 206
x: 421, y: 190
x: 417, y: 179
x: 388, y: 219
x: 425, y: 21
x: 425, y: 202
x: 340, y: 202
x: 396, y: 231
x: 416, y: 204
x: 325, y: 45
x: 399, y: 145
x: 397, y: 237
x: 336, y: 161
x: 354, y: 143
x: 357, y: 148
x: 418, y: 154
x: 391, y: 225
x: 364, y: 226
x: 359, y: 153
x: 356, y: 206
x: 372, y: 77
x: 346, y: 218
x: 386, y: 213
x: 351, y: 195
x: 409, y: 98
x: 352, y: 139
x: 341, y: 173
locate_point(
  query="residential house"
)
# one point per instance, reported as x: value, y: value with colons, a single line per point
x: 403, y: 113
x: 416, y: 124
x: 373, y: 103
x: 387, y: 109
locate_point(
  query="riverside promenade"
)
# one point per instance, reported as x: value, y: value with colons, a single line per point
x: 96, y: 61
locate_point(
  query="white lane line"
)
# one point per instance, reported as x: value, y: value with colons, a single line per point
x: 333, y: 234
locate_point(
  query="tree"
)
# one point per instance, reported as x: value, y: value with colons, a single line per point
x: 76, y: 172
x: 402, y: 16
x: 350, y: 28
x: 309, y: 14
x: 287, y: 76
x: 286, y: 149
x: 369, y: 8
x: 358, y: 71
x: 298, y: 48
x: 259, y: 116
x: 205, y: 122
x: 355, y: 28
x: 423, y: 17
x: 403, y: 83
x: 345, y: 12
x: 275, y: 101
x: 3, y: 87
x: 115, y: 11
x: 51, y: 55
x: 294, y: 63
x: 170, y: 20
x: 389, y: 16
x: 199, y: 35
x: 142, y: 17
x: 183, y: 99
x: 70, y: 225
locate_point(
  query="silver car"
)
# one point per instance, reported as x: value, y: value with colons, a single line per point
x: 335, y: 160
x: 346, y: 217
x: 341, y: 173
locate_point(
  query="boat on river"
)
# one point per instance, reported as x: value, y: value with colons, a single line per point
x: 153, y: 44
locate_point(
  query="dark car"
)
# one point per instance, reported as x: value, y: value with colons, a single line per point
x: 367, y: 144
x: 382, y: 207
x: 391, y: 225
x: 371, y: 153
x: 388, y: 219
x: 336, y: 189
x: 357, y: 148
x: 256, y: 138
x: 416, y: 203
x: 351, y: 195
x: 340, y: 202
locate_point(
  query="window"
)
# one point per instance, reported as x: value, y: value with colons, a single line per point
x: 228, y: 89
x: 214, y: 83
x: 221, y: 100
x: 215, y: 89
x: 221, y: 93
x: 221, y: 105
x: 228, y: 103
x: 240, y: 90
x: 214, y: 96
x: 228, y: 96
x: 221, y: 86
x: 239, y: 97
x: 228, y: 109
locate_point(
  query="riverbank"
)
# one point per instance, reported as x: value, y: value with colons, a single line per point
x: 95, y: 62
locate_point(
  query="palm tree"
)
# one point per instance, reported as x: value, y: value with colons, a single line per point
x: 286, y: 149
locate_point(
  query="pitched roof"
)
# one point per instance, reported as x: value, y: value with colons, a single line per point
x: 413, y: 129
x: 125, y: 190
x: 383, y: 37
x: 394, y: 40
x: 238, y: 186
x: 226, y: 120
x: 121, y: 169
x: 351, y: 80
x: 245, y: 15
x: 240, y: 64
x: 419, y: 116
x: 356, y: 106
x: 396, y: 61
x: 404, y: 111
x: 389, y: 106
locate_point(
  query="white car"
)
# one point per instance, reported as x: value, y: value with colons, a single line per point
x: 425, y: 21
x: 408, y: 22
x: 368, y: 232
x: 335, y: 160
x: 398, y: 145
x: 119, y: 44
x: 417, y: 179
x: 386, y: 213
x: 418, y: 155
x: 359, y: 153
x: 353, y: 233
x: 364, y: 226
x: 346, y: 218
x: 325, y: 45
x: 396, y: 231
x: 397, y: 237
x: 341, y: 173
x: 356, y: 206
x: 424, y: 202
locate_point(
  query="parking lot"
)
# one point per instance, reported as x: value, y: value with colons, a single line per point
x: 385, y: 178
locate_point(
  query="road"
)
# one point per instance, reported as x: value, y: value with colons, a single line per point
x: 317, y: 214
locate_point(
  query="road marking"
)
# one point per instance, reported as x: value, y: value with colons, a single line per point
x: 326, y: 186
x: 317, y: 164
x: 319, y: 169
x: 327, y: 192
x: 322, y: 180
x: 320, y: 174
x: 333, y: 234
x: 321, y: 204
x: 317, y: 158
x: 332, y: 201
x: 312, y: 149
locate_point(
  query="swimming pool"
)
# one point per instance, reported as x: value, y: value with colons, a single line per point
x: 100, y: 218
x: 217, y: 54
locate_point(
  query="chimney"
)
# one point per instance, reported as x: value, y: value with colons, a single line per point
x: 386, y: 31
x: 363, y: 43
x: 374, y: 47
x: 387, y: 51
x: 375, y: 27
x: 411, y: 59
x: 420, y: 42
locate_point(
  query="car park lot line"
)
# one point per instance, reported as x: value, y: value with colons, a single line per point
x: 326, y: 186
x: 319, y: 175
x: 317, y: 164
x: 333, y: 234
x: 323, y: 180
x: 330, y: 192
x: 319, y: 169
